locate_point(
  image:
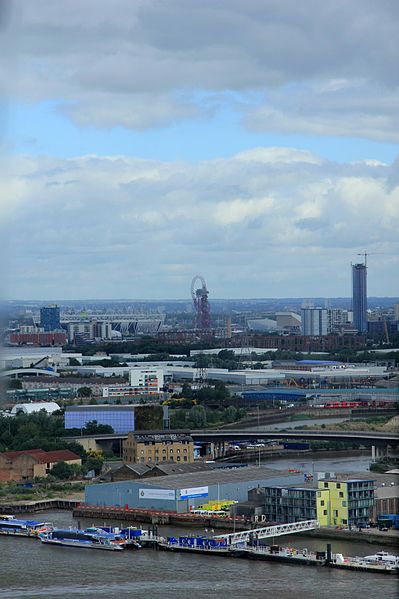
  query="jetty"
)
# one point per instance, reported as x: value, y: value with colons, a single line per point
x: 274, y: 553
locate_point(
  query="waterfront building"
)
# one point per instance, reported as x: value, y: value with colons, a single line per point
x: 333, y: 502
x: 184, y: 492
x: 359, y: 297
x: 292, y: 504
x: 350, y: 501
x: 50, y: 318
x: 31, y: 463
x: 157, y: 447
x: 314, y: 321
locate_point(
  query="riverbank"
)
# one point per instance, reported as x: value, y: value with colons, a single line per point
x: 373, y: 536
x: 30, y: 507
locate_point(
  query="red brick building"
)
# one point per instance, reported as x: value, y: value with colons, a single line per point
x: 25, y: 465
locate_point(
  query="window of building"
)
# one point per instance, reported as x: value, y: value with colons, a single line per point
x: 185, y: 458
x: 178, y: 458
x: 338, y: 485
x: 344, y: 504
x: 322, y: 502
x: 325, y: 512
x: 341, y: 494
x: 326, y: 485
x: 344, y: 521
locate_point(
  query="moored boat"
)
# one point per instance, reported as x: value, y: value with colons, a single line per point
x: 382, y: 557
x: 11, y: 526
x: 85, y: 539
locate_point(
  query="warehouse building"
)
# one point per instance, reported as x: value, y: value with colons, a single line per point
x: 183, y: 492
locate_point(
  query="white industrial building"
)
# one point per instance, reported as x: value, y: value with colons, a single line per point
x: 142, y: 381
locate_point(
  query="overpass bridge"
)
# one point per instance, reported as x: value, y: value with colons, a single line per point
x: 208, y: 436
x: 216, y: 440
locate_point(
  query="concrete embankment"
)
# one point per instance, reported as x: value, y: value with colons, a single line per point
x: 369, y: 535
x: 19, y: 507
x: 163, y: 518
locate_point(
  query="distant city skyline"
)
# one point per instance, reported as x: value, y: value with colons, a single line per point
x: 255, y: 143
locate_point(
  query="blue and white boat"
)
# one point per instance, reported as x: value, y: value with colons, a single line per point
x: 11, y: 526
x: 85, y: 539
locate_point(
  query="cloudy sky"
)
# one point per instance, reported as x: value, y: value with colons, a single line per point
x: 252, y: 141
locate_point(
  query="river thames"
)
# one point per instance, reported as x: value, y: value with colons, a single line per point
x: 31, y: 570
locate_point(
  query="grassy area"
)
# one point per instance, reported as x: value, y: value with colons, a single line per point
x: 14, y: 492
x: 374, y: 423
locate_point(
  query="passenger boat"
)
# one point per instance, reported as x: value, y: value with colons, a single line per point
x: 11, y: 526
x: 382, y: 557
x: 129, y: 537
x: 86, y: 539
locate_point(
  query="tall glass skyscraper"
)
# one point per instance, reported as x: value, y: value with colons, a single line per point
x: 359, y: 296
x: 50, y: 318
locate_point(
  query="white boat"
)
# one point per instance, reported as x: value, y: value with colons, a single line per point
x: 80, y: 538
x: 382, y: 557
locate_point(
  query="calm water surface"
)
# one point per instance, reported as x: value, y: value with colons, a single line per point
x: 31, y: 570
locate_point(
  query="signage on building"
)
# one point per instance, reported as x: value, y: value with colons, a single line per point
x: 167, y: 494
x: 193, y: 492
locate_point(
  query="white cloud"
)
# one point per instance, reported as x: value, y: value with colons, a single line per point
x: 261, y: 223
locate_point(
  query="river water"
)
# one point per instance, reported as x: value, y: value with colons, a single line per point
x: 30, y: 570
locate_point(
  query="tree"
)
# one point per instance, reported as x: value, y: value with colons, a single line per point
x: 74, y: 362
x: 198, y: 416
x: 62, y: 471
x: 93, y: 428
x: 14, y: 384
x: 94, y: 462
x: 84, y: 392
x: 230, y: 414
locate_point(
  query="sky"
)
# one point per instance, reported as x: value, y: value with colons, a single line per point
x: 143, y: 142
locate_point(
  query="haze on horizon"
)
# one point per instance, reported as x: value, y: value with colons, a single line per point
x: 254, y: 142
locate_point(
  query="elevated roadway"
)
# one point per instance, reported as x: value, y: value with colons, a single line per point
x: 214, y: 436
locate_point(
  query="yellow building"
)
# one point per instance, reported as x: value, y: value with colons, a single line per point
x: 323, y: 510
x: 155, y: 448
x: 350, y: 502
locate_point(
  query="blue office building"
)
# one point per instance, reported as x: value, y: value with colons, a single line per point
x: 359, y: 297
x: 50, y: 318
x: 121, y: 418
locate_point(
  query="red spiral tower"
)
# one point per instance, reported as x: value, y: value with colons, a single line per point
x: 200, y: 302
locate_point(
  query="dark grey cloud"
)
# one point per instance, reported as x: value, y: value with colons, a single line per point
x: 121, y: 62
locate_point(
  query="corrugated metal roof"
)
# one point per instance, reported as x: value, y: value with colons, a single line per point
x: 214, y: 477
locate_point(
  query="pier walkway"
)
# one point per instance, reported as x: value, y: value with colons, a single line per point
x: 269, y: 531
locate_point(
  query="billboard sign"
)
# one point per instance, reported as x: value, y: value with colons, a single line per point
x: 167, y: 494
x: 193, y: 492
